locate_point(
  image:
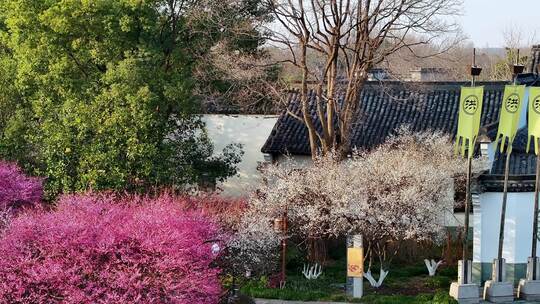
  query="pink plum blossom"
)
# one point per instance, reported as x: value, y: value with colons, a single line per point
x: 102, y: 248
x: 18, y: 189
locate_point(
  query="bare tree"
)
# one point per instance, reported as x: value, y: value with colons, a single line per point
x: 352, y: 36
x: 515, y: 38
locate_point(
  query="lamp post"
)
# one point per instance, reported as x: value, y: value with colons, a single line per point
x: 498, y: 289
x: 466, y: 267
x: 464, y: 290
x: 529, y: 287
x: 516, y: 69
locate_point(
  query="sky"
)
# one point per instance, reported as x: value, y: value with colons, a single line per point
x: 484, y: 21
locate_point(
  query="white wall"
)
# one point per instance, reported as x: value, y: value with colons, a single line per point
x: 517, y: 231
x: 249, y: 130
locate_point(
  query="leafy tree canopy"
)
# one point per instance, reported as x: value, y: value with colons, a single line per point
x: 98, y: 93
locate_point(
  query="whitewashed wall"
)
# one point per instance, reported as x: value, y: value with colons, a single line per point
x: 517, y: 231
x: 518, y: 225
x: 249, y: 130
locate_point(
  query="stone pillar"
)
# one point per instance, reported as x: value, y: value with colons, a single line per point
x: 529, y: 288
x: 464, y: 290
x: 498, y: 290
x: 533, y: 268
x: 464, y: 272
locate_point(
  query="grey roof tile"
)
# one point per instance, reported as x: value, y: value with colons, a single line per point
x: 384, y: 108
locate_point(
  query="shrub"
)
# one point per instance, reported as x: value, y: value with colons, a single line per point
x: 442, y: 297
x: 438, y: 282
x: 96, y: 102
x: 228, y: 212
x: 450, y: 272
x: 107, y: 249
x: 17, y: 189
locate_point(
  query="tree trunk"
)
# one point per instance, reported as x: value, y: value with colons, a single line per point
x: 316, y: 250
x: 305, y: 100
x: 349, y: 113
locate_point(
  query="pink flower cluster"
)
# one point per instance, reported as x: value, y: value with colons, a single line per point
x: 99, y: 248
x: 17, y: 189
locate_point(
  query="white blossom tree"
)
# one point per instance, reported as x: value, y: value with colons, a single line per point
x: 408, y: 185
x: 396, y: 192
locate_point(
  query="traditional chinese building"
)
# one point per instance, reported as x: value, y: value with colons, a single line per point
x: 385, y: 106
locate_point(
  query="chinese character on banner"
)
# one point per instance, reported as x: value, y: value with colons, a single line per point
x: 470, y: 110
x: 509, y: 118
x: 534, y: 118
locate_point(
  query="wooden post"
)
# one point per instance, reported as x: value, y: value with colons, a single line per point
x: 503, y: 208
x: 535, y: 214
x: 465, y: 274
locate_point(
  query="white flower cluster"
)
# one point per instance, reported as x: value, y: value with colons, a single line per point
x: 395, y: 192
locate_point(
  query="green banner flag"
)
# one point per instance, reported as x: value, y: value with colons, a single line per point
x: 509, y: 115
x: 534, y: 117
x: 470, y: 109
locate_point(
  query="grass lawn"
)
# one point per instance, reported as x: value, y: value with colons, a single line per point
x: 404, y: 284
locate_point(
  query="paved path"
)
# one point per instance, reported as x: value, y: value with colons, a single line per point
x: 265, y: 301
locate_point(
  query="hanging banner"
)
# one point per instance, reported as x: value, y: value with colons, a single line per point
x: 534, y: 118
x: 509, y: 115
x: 355, y: 262
x: 470, y: 110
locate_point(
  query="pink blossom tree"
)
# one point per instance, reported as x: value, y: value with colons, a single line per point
x: 18, y: 189
x: 101, y: 248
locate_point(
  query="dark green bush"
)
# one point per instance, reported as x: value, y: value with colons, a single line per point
x: 450, y: 272
x: 442, y: 297
x: 438, y: 282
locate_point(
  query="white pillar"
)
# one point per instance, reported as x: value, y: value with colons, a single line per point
x: 356, y: 290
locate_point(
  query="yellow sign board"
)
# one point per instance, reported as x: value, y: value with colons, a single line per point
x: 355, y: 262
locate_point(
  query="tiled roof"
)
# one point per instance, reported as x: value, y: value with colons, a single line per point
x: 521, y: 162
x: 385, y: 107
x: 522, y: 168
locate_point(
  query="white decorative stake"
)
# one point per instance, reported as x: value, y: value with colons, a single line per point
x: 371, y: 279
x: 311, y: 272
x: 432, y: 266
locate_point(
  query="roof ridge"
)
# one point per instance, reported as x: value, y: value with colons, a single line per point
x: 434, y: 109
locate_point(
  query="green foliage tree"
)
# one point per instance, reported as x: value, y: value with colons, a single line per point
x: 97, y: 94
x: 238, y: 74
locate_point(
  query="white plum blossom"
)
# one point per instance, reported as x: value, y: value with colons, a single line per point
x: 395, y: 192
